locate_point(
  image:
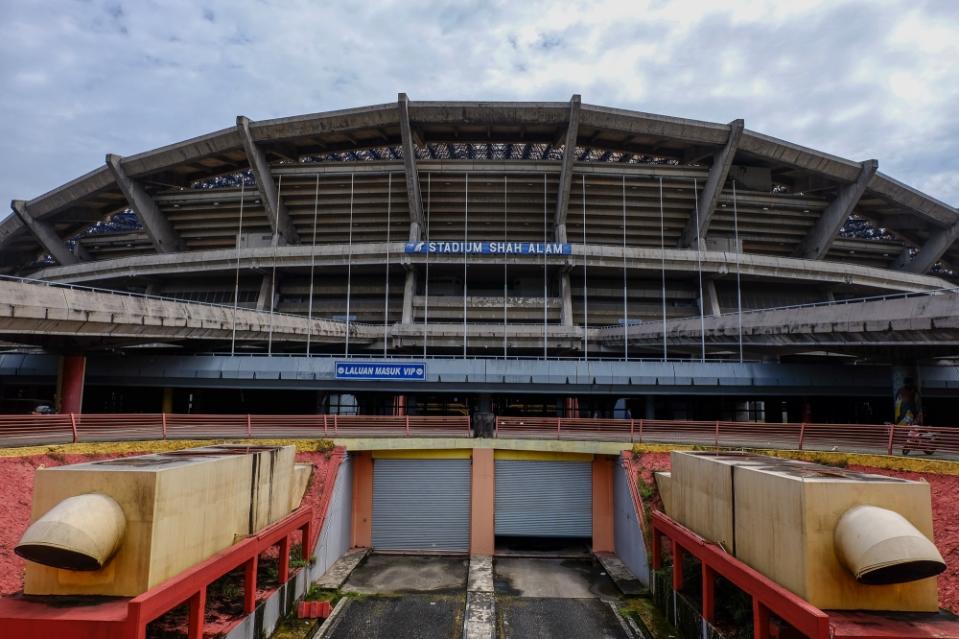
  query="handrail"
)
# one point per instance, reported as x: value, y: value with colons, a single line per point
x: 887, y: 439
x: 28, y: 430
x: 828, y: 303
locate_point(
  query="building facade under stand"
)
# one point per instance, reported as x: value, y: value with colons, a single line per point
x: 507, y: 258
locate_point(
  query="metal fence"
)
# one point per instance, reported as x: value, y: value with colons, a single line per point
x: 26, y: 430
x: 861, y: 438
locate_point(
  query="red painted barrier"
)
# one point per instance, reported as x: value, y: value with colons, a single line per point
x: 768, y: 596
x: 313, y: 610
x: 128, y: 618
x: 771, y: 600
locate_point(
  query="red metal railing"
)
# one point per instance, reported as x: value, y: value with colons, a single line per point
x: 27, y: 430
x: 865, y: 438
x: 129, y: 618
x: 24, y: 430
x: 768, y: 596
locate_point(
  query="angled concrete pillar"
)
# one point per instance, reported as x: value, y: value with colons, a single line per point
x: 266, y: 298
x: 566, y: 299
x: 152, y: 219
x: 409, y: 164
x: 44, y: 233
x: 280, y: 221
x: 713, y: 188
x: 821, y: 236
x: 710, y: 299
x: 409, y: 291
x: 566, y: 176
x: 930, y: 252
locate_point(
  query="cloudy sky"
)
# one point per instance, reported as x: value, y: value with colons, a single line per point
x: 861, y: 79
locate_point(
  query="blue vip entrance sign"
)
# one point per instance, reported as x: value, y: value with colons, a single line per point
x: 407, y: 371
x: 491, y: 248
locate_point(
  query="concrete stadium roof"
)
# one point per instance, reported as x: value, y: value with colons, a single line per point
x: 924, y: 226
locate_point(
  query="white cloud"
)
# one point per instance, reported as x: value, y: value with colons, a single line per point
x: 855, y: 78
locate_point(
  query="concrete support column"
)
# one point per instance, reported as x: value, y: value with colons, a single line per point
x: 566, y: 174
x: 566, y: 299
x: 156, y: 225
x: 361, y: 530
x: 45, y: 234
x: 409, y: 166
x: 710, y: 299
x: 409, y: 291
x: 399, y: 405
x: 264, y: 301
x: 70, y: 378
x: 167, y: 406
x: 693, y: 233
x: 284, y: 231
x: 483, y: 502
x: 931, y: 252
x: 603, y: 525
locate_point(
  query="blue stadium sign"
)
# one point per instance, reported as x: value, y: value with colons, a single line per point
x: 491, y: 248
x: 406, y: 371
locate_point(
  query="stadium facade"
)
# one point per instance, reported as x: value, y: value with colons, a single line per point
x: 516, y: 258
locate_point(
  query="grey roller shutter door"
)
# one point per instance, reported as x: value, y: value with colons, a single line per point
x: 544, y: 498
x: 421, y: 504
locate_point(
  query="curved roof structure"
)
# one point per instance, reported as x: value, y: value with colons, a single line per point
x: 799, y: 198
x: 336, y: 216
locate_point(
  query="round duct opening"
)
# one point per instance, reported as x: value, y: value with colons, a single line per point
x: 880, y: 547
x: 79, y: 533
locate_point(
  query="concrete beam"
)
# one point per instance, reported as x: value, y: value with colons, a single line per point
x: 44, y: 234
x: 821, y: 236
x: 566, y: 176
x: 154, y: 222
x: 279, y: 217
x: 409, y: 163
x: 713, y: 188
x: 931, y: 252
x: 710, y: 263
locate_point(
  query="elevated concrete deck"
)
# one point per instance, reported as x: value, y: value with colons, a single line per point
x: 925, y: 320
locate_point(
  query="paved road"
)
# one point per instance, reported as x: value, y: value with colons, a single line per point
x: 555, y: 599
x: 424, y: 597
x: 411, y: 616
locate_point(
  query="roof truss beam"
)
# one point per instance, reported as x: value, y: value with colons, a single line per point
x: 566, y: 174
x: 409, y: 164
x: 714, y: 187
x: 280, y: 222
x: 44, y: 233
x: 821, y: 236
x: 931, y: 251
x: 154, y: 222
